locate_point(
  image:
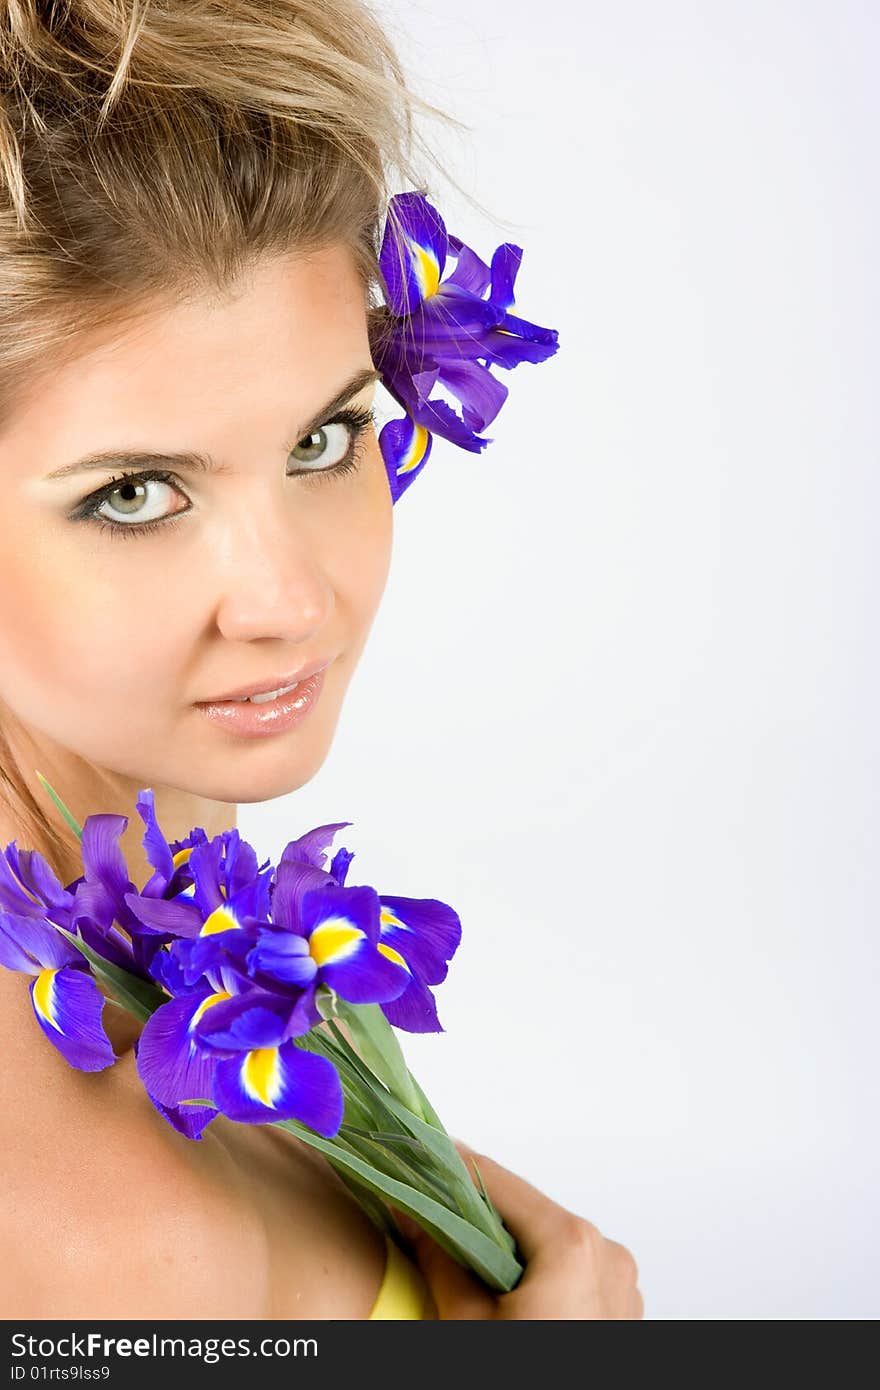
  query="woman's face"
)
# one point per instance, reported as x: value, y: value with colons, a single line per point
x: 109, y: 638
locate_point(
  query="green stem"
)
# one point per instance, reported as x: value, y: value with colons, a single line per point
x: 68, y: 815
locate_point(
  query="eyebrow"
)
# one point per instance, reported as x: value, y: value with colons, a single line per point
x: 187, y: 461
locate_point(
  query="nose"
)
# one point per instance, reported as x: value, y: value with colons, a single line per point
x: 271, y: 581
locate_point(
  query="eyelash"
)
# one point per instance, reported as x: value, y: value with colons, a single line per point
x: 358, y: 421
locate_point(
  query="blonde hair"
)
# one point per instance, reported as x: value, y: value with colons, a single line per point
x: 150, y: 152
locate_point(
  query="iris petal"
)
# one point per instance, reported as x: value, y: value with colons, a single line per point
x: 439, y: 417
x: 356, y: 908
x: 506, y: 262
x: 102, y: 855
x: 38, y: 939
x: 12, y: 955
x: 221, y: 919
x: 189, y: 1120
x: 68, y: 1006
x: 334, y: 941
x: 155, y: 914
x: 339, y: 864
x: 155, y: 845
x: 39, y: 879
x: 471, y: 272
x: 413, y: 254
x: 242, y: 1023
x: 405, y: 448
x: 278, y: 1083
x: 169, y: 1063
x: 15, y: 895
x: 365, y: 976
x: 516, y: 340
x: 414, y: 1010
x: 482, y: 395
x: 294, y: 879
x: 426, y: 932
x: 309, y: 848
x: 445, y: 331
x: 282, y: 955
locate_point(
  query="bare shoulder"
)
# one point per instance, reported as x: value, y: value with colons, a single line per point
x: 107, y: 1211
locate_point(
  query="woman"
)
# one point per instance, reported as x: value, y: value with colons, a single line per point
x: 190, y: 201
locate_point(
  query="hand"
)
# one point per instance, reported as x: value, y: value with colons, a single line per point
x: 571, y: 1269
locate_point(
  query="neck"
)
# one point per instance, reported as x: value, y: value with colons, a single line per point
x: 87, y: 789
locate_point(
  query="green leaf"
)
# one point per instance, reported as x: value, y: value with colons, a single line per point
x: 372, y: 1205
x: 427, y: 1108
x: 384, y: 1137
x: 419, y: 1170
x: 480, y: 1180
x: 471, y: 1200
x: 376, y: 1042
x: 470, y: 1246
x: 68, y: 816
x: 355, y: 1074
x: 363, y: 1098
x: 326, y: 1001
x: 138, y: 996
x: 459, y: 1189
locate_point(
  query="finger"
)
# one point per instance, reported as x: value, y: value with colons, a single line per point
x: 534, y: 1219
x: 457, y: 1293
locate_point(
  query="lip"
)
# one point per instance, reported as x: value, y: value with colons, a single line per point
x: 275, y: 683
x: 245, y: 720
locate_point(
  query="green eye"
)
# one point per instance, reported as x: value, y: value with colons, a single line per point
x: 334, y: 448
x: 331, y: 444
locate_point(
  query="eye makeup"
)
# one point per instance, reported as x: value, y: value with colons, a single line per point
x: 357, y: 420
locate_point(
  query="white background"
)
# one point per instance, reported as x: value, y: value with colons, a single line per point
x: 619, y: 707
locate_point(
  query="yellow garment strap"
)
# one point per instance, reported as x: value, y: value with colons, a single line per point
x: 403, y: 1292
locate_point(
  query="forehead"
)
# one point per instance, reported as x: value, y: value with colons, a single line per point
x: 291, y: 331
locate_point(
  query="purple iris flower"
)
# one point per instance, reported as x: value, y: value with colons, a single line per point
x: 244, y: 987
x: 226, y: 890
x: 100, y: 908
x: 416, y: 936
x: 229, y: 1042
x: 240, y: 949
x: 329, y: 937
x: 445, y: 332
x: 193, y: 878
x: 66, y: 999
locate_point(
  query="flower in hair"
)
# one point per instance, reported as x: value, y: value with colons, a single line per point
x: 446, y: 333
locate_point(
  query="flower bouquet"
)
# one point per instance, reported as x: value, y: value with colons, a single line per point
x: 268, y: 994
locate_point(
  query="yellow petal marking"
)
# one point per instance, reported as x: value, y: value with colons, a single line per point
x: 44, y: 997
x: 206, y: 1004
x: 427, y: 270
x: 416, y: 451
x: 261, y: 1075
x: 390, y: 952
x: 221, y: 919
x: 334, y: 939
x: 388, y: 919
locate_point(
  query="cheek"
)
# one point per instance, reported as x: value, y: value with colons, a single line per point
x: 363, y: 556
x: 72, y: 642
x: 94, y: 635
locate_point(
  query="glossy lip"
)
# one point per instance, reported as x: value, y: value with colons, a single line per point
x: 291, y: 678
x: 245, y: 720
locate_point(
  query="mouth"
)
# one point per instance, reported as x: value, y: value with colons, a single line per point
x: 262, y: 692
x: 263, y: 698
x: 266, y: 712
